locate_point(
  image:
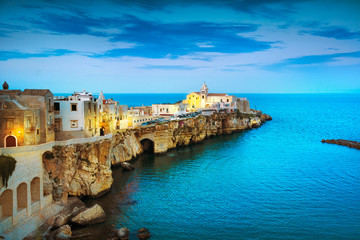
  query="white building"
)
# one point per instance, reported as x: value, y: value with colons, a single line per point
x: 76, y: 116
x: 169, y: 109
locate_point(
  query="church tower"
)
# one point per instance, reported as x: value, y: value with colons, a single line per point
x: 203, y: 95
x: 100, y: 102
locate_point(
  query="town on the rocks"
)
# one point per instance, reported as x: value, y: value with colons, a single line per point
x: 53, y: 147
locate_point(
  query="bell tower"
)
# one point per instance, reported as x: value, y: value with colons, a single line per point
x: 203, y: 95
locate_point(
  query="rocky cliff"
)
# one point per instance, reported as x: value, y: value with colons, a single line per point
x: 184, y: 132
x: 85, y: 169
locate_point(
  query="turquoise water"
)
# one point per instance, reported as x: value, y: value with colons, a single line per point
x: 275, y: 182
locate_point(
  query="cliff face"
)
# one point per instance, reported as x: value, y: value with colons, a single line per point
x: 184, y: 132
x: 85, y: 169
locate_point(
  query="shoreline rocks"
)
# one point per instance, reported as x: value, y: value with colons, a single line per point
x: 90, y: 216
x: 143, y: 234
x: 343, y: 142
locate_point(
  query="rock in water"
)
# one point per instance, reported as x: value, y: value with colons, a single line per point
x: 62, y: 233
x: 90, y: 216
x: 127, y: 166
x: 64, y: 217
x: 123, y: 233
x: 143, y: 234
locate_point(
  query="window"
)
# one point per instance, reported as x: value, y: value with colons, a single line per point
x: 56, y: 106
x: 10, y: 124
x: 50, y: 108
x: 37, y: 131
x: 74, y: 123
x: 89, y: 106
x: 220, y: 100
x: 227, y: 100
x: 74, y: 107
x: 203, y: 96
x: 57, y: 125
x: 28, y: 122
x: 89, y: 123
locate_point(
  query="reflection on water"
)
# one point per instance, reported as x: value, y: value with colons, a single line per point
x: 275, y: 182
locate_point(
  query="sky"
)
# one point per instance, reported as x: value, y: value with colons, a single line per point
x: 167, y: 46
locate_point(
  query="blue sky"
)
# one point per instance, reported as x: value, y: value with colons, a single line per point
x: 165, y: 46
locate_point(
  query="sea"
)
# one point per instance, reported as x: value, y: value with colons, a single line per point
x: 274, y: 182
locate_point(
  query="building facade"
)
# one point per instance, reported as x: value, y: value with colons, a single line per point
x: 76, y: 116
x: 216, y: 101
x: 166, y: 109
x: 26, y: 117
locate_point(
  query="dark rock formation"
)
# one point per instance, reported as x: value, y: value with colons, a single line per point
x: 350, y: 144
x: 127, y: 166
x: 143, y: 234
x: 60, y: 234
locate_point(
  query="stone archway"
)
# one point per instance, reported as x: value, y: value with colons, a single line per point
x: 35, y: 190
x: 6, y: 204
x: 10, y: 141
x: 21, y: 192
x: 148, y: 145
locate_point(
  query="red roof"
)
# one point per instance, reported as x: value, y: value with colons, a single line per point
x: 217, y: 94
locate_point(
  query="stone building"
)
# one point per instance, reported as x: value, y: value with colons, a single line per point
x: 76, y: 116
x: 26, y: 117
x: 136, y: 117
x: 215, y: 101
x: 111, y: 115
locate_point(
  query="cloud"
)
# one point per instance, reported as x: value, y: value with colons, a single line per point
x: 6, y: 55
x: 334, y: 32
x: 315, y: 59
x: 168, y: 67
x: 266, y: 8
x: 159, y: 40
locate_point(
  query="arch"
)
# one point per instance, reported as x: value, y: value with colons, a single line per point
x: 149, y: 136
x: 21, y: 192
x: 10, y: 141
x: 35, y: 189
x: 148, y: 145
x: 6, y: 204
x: 102, y: 131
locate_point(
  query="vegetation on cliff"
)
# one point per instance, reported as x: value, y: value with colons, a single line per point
x: 7, y: 167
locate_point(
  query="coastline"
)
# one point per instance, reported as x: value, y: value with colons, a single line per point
x: 126, y: 146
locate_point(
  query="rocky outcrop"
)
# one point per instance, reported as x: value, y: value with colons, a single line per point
x: 90, y: 216
x: 347, y: 143
x: 124, y: 147
x: 85, y: 169
x: 61, y: 234
x: 143, y: 234
x: 184, y: 132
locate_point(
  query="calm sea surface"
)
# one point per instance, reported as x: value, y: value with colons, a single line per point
x: 275, y: 182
